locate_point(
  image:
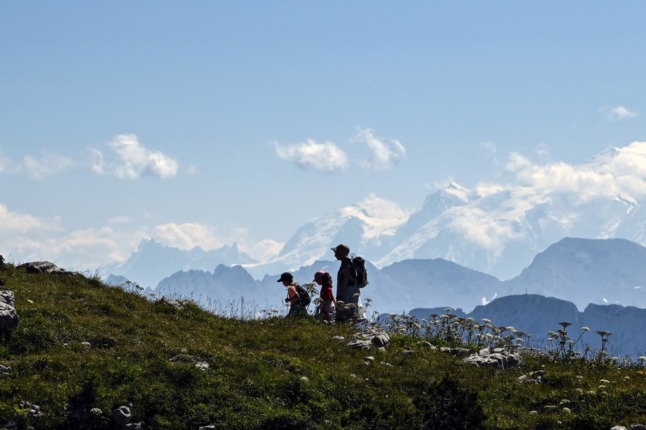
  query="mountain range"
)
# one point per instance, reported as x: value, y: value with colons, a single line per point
x: 571, y: 231
x: 581, y: 271
x: 494, y: 229
x: 538, y: 315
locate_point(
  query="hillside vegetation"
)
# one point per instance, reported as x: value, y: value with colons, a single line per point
x: 83, y: 349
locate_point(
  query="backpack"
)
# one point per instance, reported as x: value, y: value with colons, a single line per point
x: 304, y: 298
x: 361, y: 277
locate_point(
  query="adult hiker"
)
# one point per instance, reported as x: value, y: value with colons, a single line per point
x: 326, y: 309
x: 347, y: 290
x: 297, y: 296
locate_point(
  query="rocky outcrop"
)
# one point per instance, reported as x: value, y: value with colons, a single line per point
x: 8, y: 316
x: 370, y: 336
x: 498, y: 358
x: 43, y: 267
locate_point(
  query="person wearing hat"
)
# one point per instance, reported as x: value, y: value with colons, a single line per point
x: 326, y: 309
x: 347, y: 290
x: 296, y: 307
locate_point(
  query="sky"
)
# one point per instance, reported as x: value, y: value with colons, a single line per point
x: 207, y: 123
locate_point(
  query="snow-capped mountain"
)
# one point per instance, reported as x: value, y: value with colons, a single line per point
x: 493, y: 229
x: 363, y: 226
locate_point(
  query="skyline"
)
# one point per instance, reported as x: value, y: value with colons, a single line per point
x: 209, y: 124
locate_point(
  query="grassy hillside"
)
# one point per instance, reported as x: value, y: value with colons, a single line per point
x: 83, y: 349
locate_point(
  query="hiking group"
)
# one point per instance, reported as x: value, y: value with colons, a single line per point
x: 351, y: 277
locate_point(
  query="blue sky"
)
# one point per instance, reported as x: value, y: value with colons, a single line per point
x: 204, y: 123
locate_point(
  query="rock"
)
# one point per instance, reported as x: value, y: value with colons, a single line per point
x: 619, y: 428
x: 360, y: 344
x: 202, y: 365
x: 499, y: 359
x: 535, y: 377
x: 5, y: 370
x: 637, y: 427
x: 209, y: 427
x: 34, y: 410
x: 8, y: 297
x: 455, y: 351
x: 368, y: 336
x: 43, y: 267
x: 122, y: 416
x: 8, y: 316
x: 381, y: 339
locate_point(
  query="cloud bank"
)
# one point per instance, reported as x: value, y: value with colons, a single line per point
x: 327, y: 157
x: 133, y: 160
x: 617, y: 113
x: 384, y: 154
x: 323, y: 157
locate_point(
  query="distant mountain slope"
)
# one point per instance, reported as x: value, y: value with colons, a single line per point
x: 153, y: 261
x: 587, y: 271
x: 582, y: 271
x: 538, y: 315
x: 441, y: 282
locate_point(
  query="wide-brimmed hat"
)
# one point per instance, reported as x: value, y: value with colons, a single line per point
x: 286, y: 277
x: 341, y: 249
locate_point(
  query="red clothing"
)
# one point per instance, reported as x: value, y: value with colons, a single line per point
x: 327, y: 294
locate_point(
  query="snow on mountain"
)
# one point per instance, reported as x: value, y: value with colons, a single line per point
x: 361, y: 226
x: 498, y: 229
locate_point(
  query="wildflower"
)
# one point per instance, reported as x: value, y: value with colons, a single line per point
x: 585, y: 328
x: 604, y: 381
x: 565, y: 324
x: 485, y: 320
x: 642, y: 358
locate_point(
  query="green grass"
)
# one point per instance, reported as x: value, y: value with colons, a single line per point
x: 274, y: 373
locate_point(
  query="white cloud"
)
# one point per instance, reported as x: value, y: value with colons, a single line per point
x: 377, y: 207
x: 187, y: 236
x: 13, y: 222
x: 119, y: 220
x: 134, y: 160
x: 619, y: 170
x: 617, y: 113
x: 323, y: 157
x: 483, y: 228
x: 190, y: 235
x: 46, y: 166
x: 384, y: 154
